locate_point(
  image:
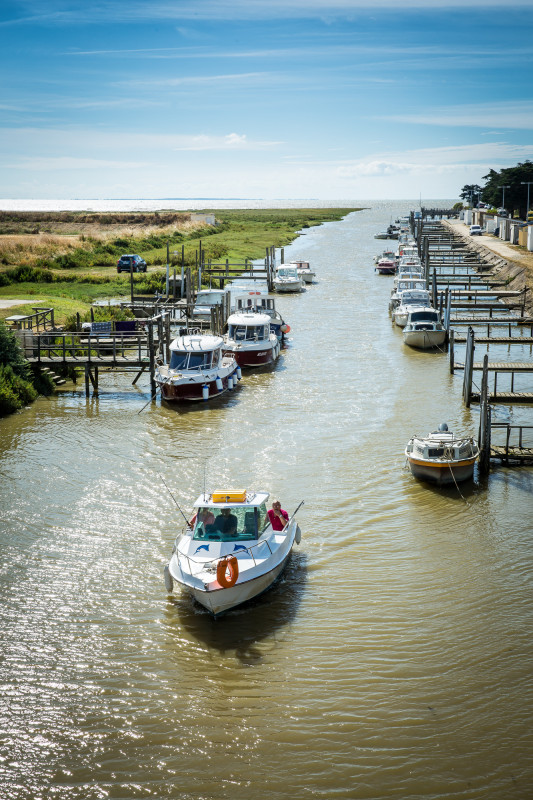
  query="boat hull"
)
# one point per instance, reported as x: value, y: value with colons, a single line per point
x: 254, y: 358
x: 424, y: 340
x: 287, y: 288
x: 193, y: 391
x: 222, y: 600
x: 442, y: 473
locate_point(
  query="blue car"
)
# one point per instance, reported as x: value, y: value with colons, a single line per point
x: 131, y: 263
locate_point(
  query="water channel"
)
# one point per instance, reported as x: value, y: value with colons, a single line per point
x: 392, y: 661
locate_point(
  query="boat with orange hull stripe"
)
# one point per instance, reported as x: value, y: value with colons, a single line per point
x: 441, y: 457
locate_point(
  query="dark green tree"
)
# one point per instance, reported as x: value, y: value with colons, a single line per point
x: 512, y: 179
x: 471, y: 192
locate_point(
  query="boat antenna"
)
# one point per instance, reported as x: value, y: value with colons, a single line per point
x: 175, y: 501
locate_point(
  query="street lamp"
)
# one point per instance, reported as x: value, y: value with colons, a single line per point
x: 503, y: 196
x: 528, y: 184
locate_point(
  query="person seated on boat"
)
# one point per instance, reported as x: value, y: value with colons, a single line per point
x: 201, y: 520
x: 225, y: 523
x: 277, y: 516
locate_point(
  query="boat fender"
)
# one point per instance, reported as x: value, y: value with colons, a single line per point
x: 205, y: 392
x: 169, y: 583
x: 239, y: 373
x: 228, y: 572
x: 285, y: 328
x: 230, y: 382
x: 219, y: 384
x: 298, y: 535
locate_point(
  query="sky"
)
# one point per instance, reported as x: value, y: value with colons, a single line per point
x: 322, y: 99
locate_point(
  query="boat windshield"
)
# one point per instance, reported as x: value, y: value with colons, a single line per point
x: 183, y: 359
x: 209, y: 299
x: 230, y: 524
x: 287, y: 272
x: 424, y: 316
x: 241, y: 333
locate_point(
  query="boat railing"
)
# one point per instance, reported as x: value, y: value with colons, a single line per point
x: 211, y: 565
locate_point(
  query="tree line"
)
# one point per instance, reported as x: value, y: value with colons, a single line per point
x: 507, y: 189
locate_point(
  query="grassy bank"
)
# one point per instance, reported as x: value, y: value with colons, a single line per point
x: 67, y: 260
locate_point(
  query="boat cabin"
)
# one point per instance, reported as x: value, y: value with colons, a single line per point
x: 248, y: 327
x: 287, y: 271
x: 230, y: 516
x: 254, y: 301
x: 195, y: 352
x: 206, y: 299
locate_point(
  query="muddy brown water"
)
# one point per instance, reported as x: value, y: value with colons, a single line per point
x: 392, y: 661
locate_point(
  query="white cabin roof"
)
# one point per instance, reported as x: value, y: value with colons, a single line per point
x: 248, y: 318
x: 196, y: 344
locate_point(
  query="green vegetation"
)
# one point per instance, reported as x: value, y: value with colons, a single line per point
x: 74, y: 262
x: 510, y: 180
x: 18, y: 385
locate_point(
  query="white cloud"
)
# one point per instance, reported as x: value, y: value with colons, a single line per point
x: 42, y: 163
x: 512, y: 114
x: 232, y: 141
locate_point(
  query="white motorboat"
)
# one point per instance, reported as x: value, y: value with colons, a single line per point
x: 409, y: 299
x: 286, y: 279
x: 206, y: 299
x: 198, y: 369
x: 404, y: 285
x: 424, y: 329
x: 230, y: 553
x: 441, y: 457
x: 304, y: 270
x: 250, y: 340
x: 262, y: 304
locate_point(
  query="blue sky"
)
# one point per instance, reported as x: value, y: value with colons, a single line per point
x: 325, y: 99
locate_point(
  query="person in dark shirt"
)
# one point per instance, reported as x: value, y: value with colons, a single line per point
x: 226, y: 523
x: 277, y: 516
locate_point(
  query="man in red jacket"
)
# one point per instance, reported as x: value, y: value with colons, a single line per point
x: 277, y: 516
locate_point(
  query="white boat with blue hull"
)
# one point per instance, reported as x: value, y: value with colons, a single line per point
x: 230, y: 553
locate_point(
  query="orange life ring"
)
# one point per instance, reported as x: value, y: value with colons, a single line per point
x: 224, y: 565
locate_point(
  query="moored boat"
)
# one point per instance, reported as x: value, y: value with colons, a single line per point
x: 408, y: 299
x: 230, y: 553
x: 198, y: 370
x: 441, y: 457
x: 262, y: 304
x: 286, y: 279
x: 250, y: 341
x: 304, y: 270
x: 386, y: 265
x: 424, y: 329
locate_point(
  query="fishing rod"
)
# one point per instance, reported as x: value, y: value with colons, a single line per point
x: 299, y: 507
x: 176, y: 502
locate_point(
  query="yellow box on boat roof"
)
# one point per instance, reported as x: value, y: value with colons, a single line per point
x: 229, y: 497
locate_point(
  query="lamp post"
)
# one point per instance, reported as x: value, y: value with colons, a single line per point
x: 503, y: 195
x: 528, y: 184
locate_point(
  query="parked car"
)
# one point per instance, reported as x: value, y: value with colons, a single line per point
x: 131, y: 263
x: 502, y: 212
x: 476, y: 230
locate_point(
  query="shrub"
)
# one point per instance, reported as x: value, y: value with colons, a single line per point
x: 15, y: 392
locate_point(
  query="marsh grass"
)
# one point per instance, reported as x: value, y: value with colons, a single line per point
x: 81, y: 268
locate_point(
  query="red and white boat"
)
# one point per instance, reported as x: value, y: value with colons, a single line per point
x: 386, y: 266
x: 198, y: 369
x: 250, y: 341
